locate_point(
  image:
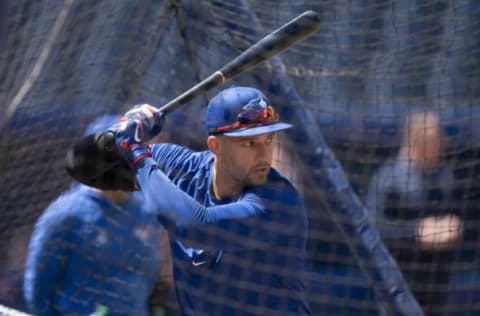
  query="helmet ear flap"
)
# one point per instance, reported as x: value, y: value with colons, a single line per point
x: 89, y: 163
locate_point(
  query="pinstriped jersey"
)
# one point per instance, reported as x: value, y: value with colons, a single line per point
x: 242, y: 256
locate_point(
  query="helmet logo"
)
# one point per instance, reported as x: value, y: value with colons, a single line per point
x: 256, y: 104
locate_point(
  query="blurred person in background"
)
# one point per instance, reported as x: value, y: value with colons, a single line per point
x: 97, y: 251
x: 12, y: 267
x: 410, y: 203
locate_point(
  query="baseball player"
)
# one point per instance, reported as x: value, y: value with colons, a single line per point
x: 94, y: 251
x: 239, y: 226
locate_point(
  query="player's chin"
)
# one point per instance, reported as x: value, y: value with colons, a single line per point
x: 258, y: 179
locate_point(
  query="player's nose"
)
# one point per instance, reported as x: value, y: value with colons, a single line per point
x: 262, y: 152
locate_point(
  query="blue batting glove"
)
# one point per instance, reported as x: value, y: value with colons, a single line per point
x: 128, y: 140
x: 149, y: 119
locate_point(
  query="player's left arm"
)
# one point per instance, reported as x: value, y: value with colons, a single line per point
x: 261, y: 216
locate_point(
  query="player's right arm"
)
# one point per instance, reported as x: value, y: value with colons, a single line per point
x: 48, y: 253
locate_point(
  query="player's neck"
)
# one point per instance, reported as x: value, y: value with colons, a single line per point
x: 223, y: 185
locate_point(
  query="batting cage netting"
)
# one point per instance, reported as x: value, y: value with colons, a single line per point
x: 385, y: 151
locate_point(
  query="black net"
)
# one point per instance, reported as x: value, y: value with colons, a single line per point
x: 384, y: 99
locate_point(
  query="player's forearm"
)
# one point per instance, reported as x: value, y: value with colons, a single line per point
x: 176, y: 207
x: 166, y: 199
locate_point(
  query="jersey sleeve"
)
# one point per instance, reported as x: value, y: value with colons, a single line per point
x: 261, y: 216
x: 48, y: 254
x: 172, y: 159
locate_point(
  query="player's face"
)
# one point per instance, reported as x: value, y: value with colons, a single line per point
x: 246, y: 159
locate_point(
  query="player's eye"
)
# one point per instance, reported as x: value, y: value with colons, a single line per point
x: 248, y: 143
x: 269, y: 139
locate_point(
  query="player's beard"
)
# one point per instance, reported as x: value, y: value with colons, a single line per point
x: 258, y: 175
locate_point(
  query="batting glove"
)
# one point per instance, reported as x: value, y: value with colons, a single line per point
x: 128, y: 140
x: 149, y: 120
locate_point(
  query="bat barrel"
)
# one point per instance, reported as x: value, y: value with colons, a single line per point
x: 277, y: 41
x: 212, y: 81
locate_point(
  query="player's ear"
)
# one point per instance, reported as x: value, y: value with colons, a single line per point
x: 213, y: 144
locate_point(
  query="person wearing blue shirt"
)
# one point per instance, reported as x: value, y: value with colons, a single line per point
x: 238, y: 227
x: 94, y: 251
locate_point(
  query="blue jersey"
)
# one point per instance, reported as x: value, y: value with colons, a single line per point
x: 87, y: 252
x: 242, y: 256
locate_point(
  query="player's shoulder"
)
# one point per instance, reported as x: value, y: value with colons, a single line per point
x: 70, y: 206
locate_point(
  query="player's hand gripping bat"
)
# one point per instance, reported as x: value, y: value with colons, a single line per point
x: 94, y: 161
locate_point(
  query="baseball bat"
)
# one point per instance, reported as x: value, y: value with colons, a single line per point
x: 287, y: 35
x: 277, y: 41
x: 272, y: 44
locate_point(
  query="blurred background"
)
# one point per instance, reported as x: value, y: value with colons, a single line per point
x: 348, y: 89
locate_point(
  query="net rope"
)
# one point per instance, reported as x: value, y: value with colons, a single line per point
x: 349, y: 89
